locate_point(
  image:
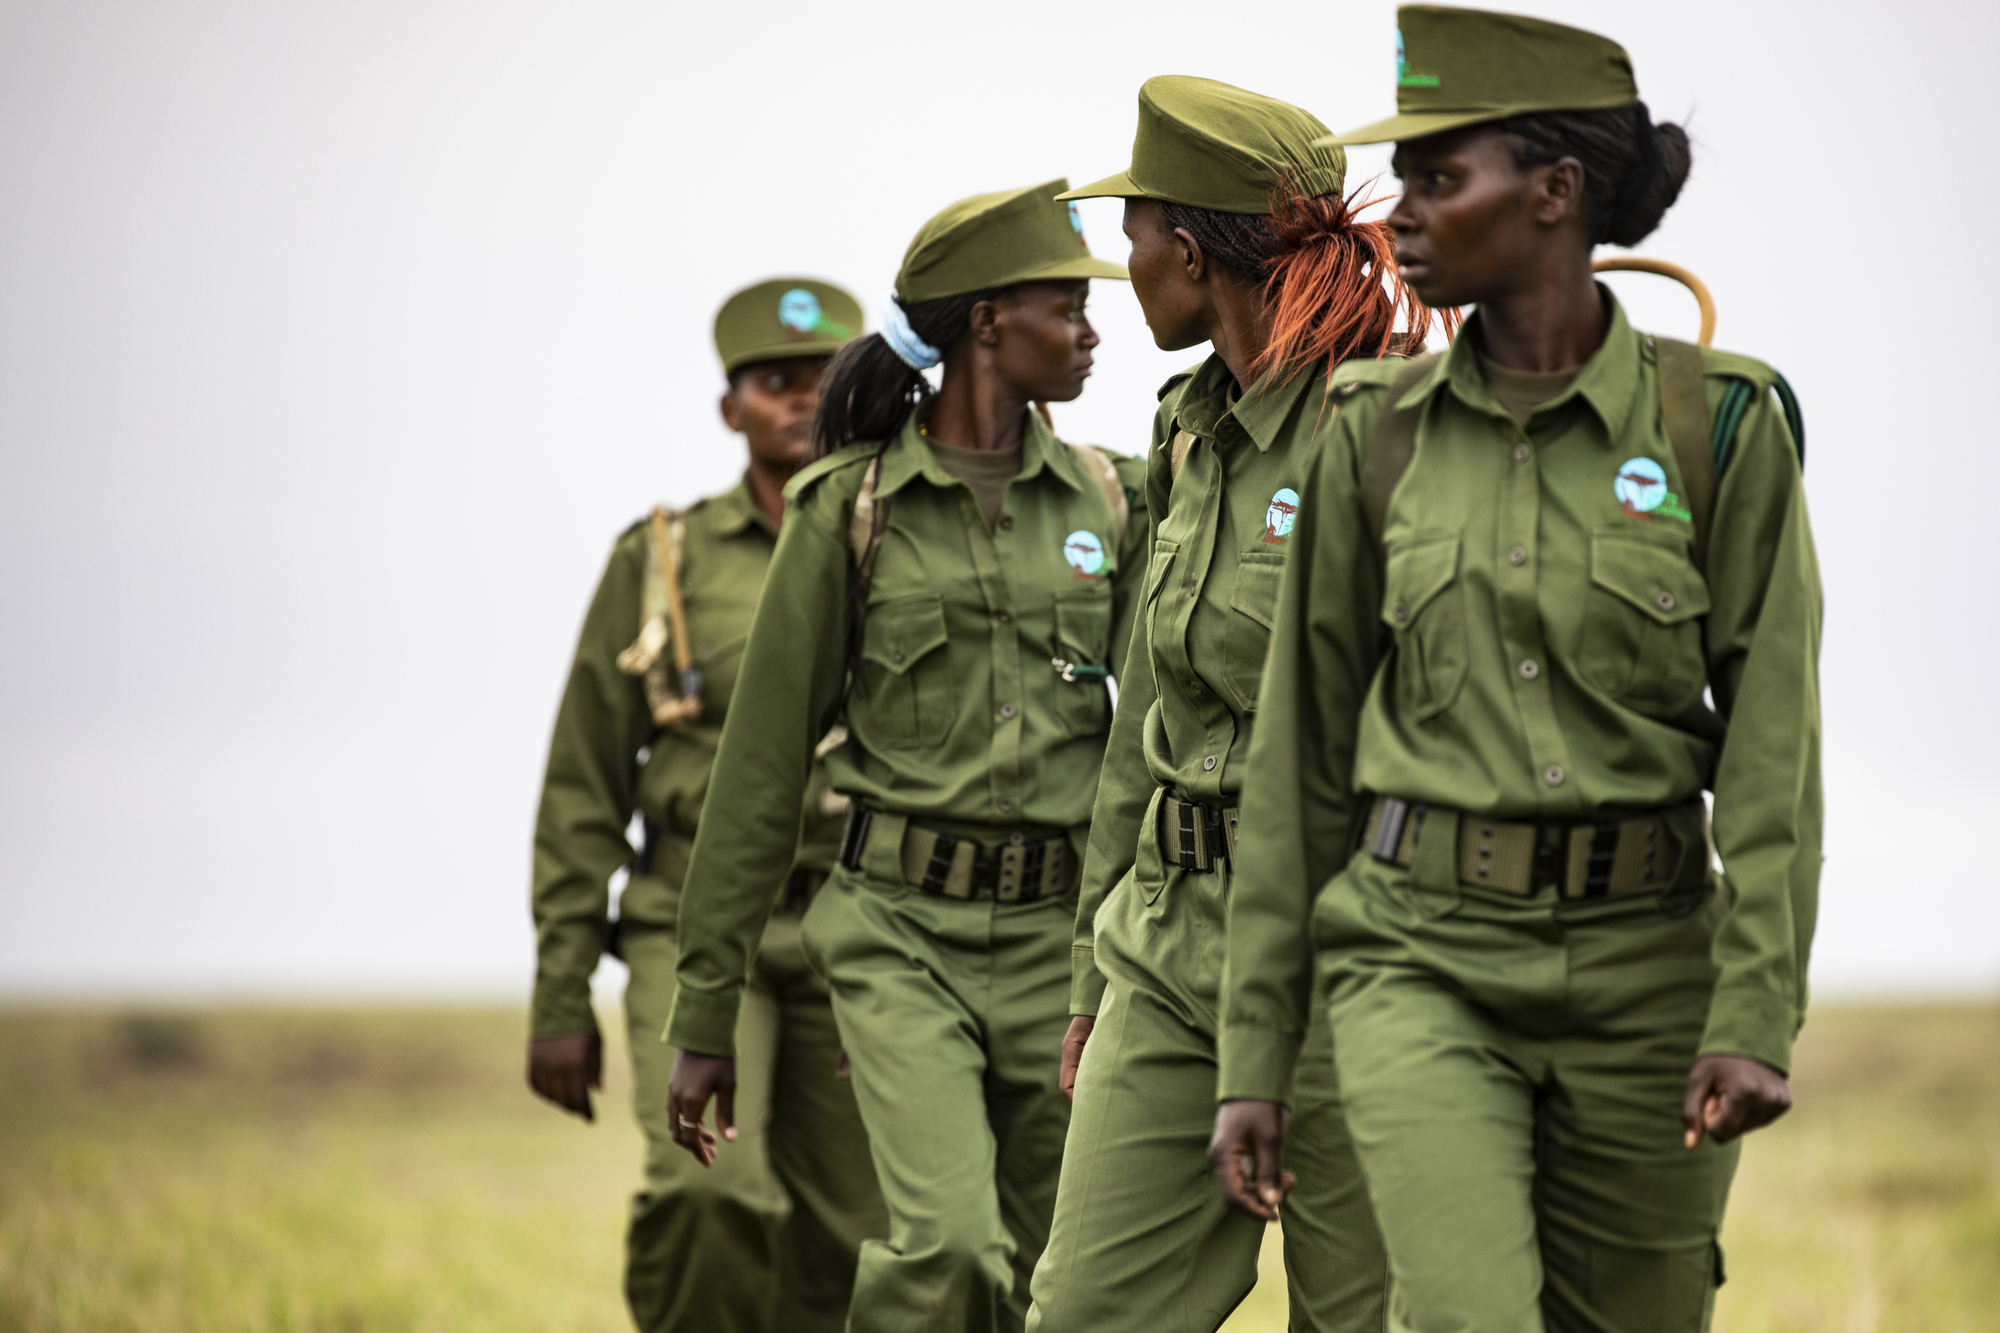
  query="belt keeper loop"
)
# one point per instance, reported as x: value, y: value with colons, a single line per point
x: 1389, y: 816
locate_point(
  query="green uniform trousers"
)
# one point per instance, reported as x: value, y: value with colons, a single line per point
x: 953, y: 1014
x: 764, y: 1241
x: 1513, y: 1070
x: 1142, y: 1240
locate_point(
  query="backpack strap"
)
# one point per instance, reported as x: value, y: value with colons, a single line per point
x: 1097, y: 462
x: 663, y: 624
x: 867, y: 525
x: 1684, y: 415
x: 1391, y: 444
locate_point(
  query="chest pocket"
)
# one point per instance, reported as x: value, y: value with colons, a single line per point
x: 1253, y: 611
x: 1083, y: 636
x: 906, y: 674
x: 1642, y: 632
x: 1424, y: 607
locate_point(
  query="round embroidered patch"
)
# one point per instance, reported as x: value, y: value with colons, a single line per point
x: 798, y: 310
x: 1641, y: 485
x: 1084, y: 552
x: 1284, y: 512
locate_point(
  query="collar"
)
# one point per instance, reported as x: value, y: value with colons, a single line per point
x: 736, y: 510
x: 1609, y: 382
x: 1260, y: 412
x: 909, y: 455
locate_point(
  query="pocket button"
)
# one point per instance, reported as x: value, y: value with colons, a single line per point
x: 1553, y: 775
x: 1518, y: 556
x: 1402, y: 613
x: 1528, y: 669
x: 1665, y: 601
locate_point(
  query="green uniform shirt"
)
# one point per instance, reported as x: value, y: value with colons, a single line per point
x: 607, y: 758
x: 1188, y: 692
x: 956, y: 717
x: 1550, y: 644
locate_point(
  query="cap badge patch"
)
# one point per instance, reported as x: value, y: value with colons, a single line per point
x: 798, y: 310
x: 1076, y: 221
x: 1283, y: 512
x: 1084, y: 552
x: 1641, y: 488
x: 1404, y: 78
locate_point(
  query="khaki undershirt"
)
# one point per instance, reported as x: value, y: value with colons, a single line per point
x: 984, y: 472
x: 1522, y: 391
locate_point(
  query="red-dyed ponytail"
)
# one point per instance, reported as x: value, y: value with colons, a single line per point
x: 1332, y: 289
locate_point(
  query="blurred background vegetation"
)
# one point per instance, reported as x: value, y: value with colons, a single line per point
x: 342, y: 1171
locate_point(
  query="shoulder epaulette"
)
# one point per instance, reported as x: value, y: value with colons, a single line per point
x: 1363, y: 372
x: 1175, y: 381
x: 814, y: 472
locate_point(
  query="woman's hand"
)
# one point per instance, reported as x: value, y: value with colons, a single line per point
x: 1072, y: 1052
x: 1248, y: 1153
x: 565, y: 1069
x: 1728, y: 1095
x: 695, y: 1079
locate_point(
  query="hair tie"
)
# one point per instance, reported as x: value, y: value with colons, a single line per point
x: 911, y: 350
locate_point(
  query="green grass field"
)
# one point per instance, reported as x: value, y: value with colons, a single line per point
x: 363, y: 1170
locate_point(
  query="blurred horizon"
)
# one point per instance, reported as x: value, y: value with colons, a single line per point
x: 338, y: 343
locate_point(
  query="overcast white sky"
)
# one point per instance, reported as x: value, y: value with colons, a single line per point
x: 337, y: 342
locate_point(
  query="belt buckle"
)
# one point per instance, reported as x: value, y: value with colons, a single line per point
x: 938, y: 869
x: 855, y: 838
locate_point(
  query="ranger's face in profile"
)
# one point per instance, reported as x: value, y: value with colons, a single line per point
x: 770, y: 404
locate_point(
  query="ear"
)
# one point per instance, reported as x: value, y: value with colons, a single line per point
x: 1193, y: 261
x: 732, y: 411
x: 1559, y: 196
x: 984, y: 323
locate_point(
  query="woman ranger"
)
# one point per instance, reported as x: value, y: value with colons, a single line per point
x: 1240, y: 239
x: 768, y: 1241
x: 951, y: 584
x: 1514, y: 578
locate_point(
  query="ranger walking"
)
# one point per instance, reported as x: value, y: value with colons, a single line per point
x: 1543, y: 591
x: 768, y: 1239
x: 953, y: 584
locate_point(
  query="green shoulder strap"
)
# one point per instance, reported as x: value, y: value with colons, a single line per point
x: 1684, y: 416
x: 1701, y: 445
x: 1390, y: 447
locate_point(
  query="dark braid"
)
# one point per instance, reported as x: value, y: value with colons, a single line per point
x: 1633, y: 170
x: 1243, y: 241
x: 867, y: 391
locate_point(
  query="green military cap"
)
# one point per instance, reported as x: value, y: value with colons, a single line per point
x: 997, y: 240
x: 1212, y: 146
x: 784, y: 317
x: 1459, y: 67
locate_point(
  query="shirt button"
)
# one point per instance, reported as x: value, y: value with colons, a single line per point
x: 1402, y: 613
x: 1518, y: 556
x: 1665, y: 601
x: 1521, y: 453
x: 1553, y: 775
x: 1006, y: 805
x: 1002, y: 617
x: 1006, y: 711
x: 1006, y: 520
x: 1208, y: 764
x: 1528, y: 669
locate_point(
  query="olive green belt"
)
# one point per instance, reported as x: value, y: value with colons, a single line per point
x: 1195, y: 836
x: 1586, y: 860
x: 1018, y: 870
